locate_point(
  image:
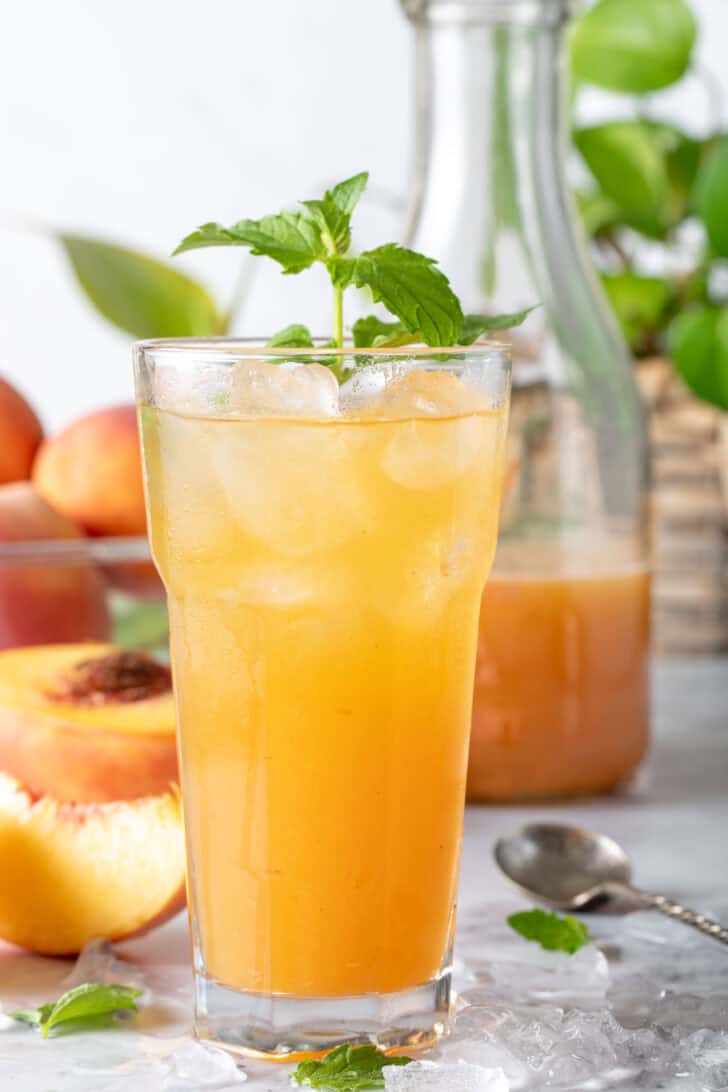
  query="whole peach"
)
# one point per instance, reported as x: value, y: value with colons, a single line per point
x: 20, y: 435
x: 48, y: 602
x: 92, y: 472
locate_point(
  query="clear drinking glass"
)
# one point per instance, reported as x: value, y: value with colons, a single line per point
x: 324, y: 550
x: 561, y: 692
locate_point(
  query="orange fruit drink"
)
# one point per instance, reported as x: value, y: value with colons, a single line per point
x: 324, y: 563
x: 561, y: 685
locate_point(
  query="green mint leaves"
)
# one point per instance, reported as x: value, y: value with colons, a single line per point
x: 346, y: 1069
x: 293, y: 239
x: 371, y: 332
x: 292, y: 337
x: 408, y: 284
x: 552, y: 932
x: 333, y: 212
x: 290, y: 238
x: 83, y: 1008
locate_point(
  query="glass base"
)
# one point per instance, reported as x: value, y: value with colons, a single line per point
x: 283, y: 1027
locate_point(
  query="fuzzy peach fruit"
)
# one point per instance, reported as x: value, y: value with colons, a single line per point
x: 73, y: 872
x: 92, y: 473
x: 20, y: 435
x: 42, y: 603
x: 87, y: 723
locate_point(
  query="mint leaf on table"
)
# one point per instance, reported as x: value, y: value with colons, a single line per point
x: 83, y: 1008
x: 554, y: 933
x: 292, y: 337
x: 292, y: 239
x: 346, y: 1069
x: 33, y: 1016
x: 333, y: 212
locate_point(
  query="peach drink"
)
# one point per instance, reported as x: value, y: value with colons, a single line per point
x: 324, y: 581
x: 561, y: 685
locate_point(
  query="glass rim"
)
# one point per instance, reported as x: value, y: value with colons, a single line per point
x: 256, y: 347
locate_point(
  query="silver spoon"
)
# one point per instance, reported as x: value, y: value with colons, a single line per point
x: 574, y: 869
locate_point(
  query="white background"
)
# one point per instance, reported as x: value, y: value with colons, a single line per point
x: 135, y: 120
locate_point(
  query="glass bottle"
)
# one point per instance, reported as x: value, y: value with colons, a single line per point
x: 561, y: 692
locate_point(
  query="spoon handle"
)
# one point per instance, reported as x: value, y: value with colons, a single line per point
x: 689, y: 917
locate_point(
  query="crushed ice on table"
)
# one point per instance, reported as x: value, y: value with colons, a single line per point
x: 97, y: 962
x: 645, y: 1006
x: 511, y: 969
x: 192, y: 1067
x: 448, y: 1077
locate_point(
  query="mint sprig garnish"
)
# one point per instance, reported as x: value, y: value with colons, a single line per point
x: 83, y: 1008
x: 554, y: 933
x: 346, y: 1069
x: 409, y: 285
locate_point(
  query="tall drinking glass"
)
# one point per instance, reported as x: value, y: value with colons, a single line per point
x: 324, y: 549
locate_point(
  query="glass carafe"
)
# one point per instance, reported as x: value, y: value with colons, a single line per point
x: 561, y: 702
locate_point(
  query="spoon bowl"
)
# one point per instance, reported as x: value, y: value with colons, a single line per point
x: 564, y: 867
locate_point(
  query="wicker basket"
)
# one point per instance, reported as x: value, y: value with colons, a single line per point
x: 690, y: 514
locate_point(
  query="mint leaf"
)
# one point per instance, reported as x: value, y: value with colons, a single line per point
x: 371, y: 332
x: 82, y: 1008
x: 290, y: 238
x: 333, y: 212
x: 32, y: 1016
x: 552, y: 932
x: 409, y: 285
x: 292, y: 337
x: 346, y: 1069
x: 474, y: 326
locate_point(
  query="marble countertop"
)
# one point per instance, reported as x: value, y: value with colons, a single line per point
x: 673, y: 821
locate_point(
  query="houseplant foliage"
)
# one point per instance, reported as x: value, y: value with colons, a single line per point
x: 656, y: 200
x: 649, y: 185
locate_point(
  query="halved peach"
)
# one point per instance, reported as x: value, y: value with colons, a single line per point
x: 73, y: 872
x: 87, y: 723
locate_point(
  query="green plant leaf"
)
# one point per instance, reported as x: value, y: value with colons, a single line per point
x: 292, y: 239
x: 642, y: 306
x: 333, y: 211
x: 372, y: 331
x: 80, y: 1009
x: 554, y: 933
x: 635, y: 46
x: 599, y: 214
x: 346, y: 1069
x: 711, y: 192
x: 698, y: 345
x: 33, y: 1016
x: 137, y: 624
x: 90, y: 1000
x: 141, y: 295
x: 631, y: 170
x: 295, y: 336
x: 409, y: 285
x: 474, y: 326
